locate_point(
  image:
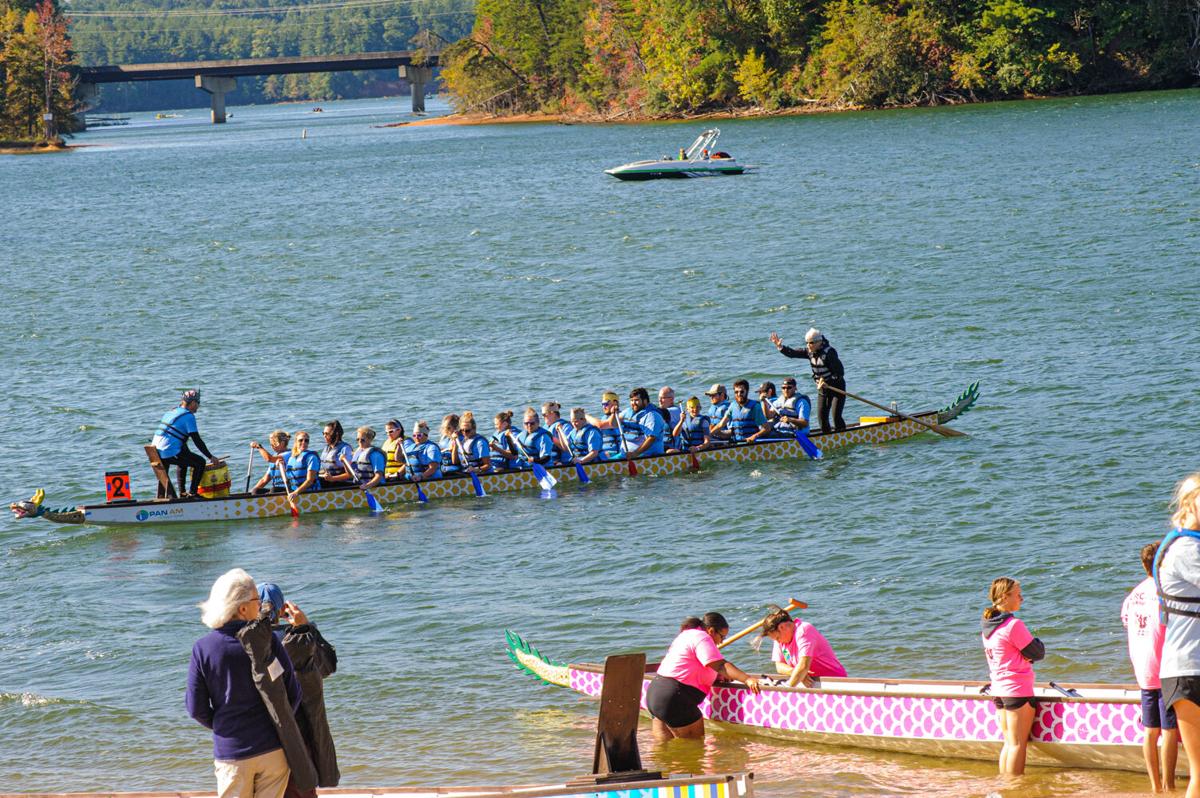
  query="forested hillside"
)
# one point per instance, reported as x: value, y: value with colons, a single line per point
x: 140, y: 31
x: 645, y: 57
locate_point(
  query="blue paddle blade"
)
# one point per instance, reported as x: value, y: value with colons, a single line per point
x: 543, y: 477
x: 582, y: 474
x: 373, y: 503
x: 808, y: 446
x: 475, y: 483
x: 421, y: 495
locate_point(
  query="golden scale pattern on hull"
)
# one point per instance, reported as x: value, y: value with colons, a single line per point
x: 242, y: 506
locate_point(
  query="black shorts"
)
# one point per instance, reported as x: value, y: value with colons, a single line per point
x: 1011, y: 703
x: 1177, y: 687
x: 1155, y: 713
x: 673, y: 702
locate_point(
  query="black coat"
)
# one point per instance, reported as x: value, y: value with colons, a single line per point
x: 255, y: 638
x: 314, y: 660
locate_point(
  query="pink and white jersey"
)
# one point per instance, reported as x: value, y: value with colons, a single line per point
x: 1012, y: 674
x: 689, y: 657
x: 1139, y: 613
x: 808, y: 642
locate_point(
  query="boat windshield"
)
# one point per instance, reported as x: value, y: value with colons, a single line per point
x: 704, y: 141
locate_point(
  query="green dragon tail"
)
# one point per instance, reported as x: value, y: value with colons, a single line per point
x: 530, y: 660
x: 962, y: 404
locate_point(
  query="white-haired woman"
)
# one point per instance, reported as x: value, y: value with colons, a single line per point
x: 1177, y: 574
x: 827, y: 371
x: 221, y: 694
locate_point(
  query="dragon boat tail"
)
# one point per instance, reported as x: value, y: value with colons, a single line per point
x: 1076, y: 725
x: 347, y: 496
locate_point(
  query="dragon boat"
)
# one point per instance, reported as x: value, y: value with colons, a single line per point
x: 240, y: 506
x: 1076, y: 725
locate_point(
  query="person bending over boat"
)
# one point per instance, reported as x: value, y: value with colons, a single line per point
x: 643, y: 425
x: 1010, y: 650
x: 471, y: 452
x: 369, y: 463
x: 789, y: 412
x: 534, y: 444
x: 694, y: 430
x: 827, y: 372
x: 392, y: 448
x: 559, y: 429
x: 743, y: 420
x: 303, y: 466
x: 425, y: 455
x: 447, y: 443
x: 587, y: 445
x: 1145, y: 632
x: 800, y: 652
x: 671, y: 414
x: 314, y: 660
x: 170, y: 439
x: 685, y: 678
x: 718, y: 401
x: 1177, y: 576
x: 336, y: 450
x: 276, y: 461
x: 504, y: 450
x: 221, y: 694
x: 610, y: 434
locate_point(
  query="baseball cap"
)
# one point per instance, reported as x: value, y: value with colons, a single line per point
x: 191, y: 395
x: 715, y: 389
x: 790, y: 381
x: 766, y: 386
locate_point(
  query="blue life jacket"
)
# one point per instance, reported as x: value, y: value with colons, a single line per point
x: 536, y: 445
x: 298, y: 468
x: 559, y: 431
x: 331, y: 458
x: 1164, y: 610
x: 716, y: 412
x: 630, y: 426
x: 500, y: 441
x: 611, y: 441
x: 474, y: 451
x: 743, y: 420
x: 585, y: 440
x: 367, y: 462
x: 695, y: 430
x: 173, y: 430
x: 447, y: 447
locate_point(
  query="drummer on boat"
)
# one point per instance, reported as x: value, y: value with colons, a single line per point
x: 170, y: 439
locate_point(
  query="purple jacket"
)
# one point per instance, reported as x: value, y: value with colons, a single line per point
x: 221, y: 694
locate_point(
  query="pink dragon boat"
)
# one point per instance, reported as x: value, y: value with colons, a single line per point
x: 1077, y: 725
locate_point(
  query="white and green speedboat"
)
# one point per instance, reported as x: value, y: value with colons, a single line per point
x: 702, y: 159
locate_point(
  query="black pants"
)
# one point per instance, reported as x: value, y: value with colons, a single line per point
x: 828, y: 401
x: 185, y: 460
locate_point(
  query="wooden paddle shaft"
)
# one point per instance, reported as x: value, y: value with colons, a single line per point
x: 938, y: 428
x: 791, y: 605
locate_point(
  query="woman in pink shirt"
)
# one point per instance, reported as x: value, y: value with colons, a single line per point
x: 685, y: 678
x: 801, y: 652
x: 1010, y: 650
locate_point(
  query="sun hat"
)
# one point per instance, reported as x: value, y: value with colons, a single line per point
x: 715, y: 389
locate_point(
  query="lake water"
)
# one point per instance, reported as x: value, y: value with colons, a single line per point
x: 1047, y: 249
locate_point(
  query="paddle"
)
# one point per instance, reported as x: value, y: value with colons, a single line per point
x: 411, y: 476
x: 792, y: 604
x: 287, y: 486
x: 938, y: 428
x: 539, y: 471
x: 628, y: 460
x: 475, y: 483
x: 249, y: 467
x: 580, y: 474
x: 808, y: 446
x: 372, y: 504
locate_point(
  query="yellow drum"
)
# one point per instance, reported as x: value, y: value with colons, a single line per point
x: 215, y: 482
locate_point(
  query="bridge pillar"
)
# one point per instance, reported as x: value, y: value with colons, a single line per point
x: 218, y: 86
x: 86, y: 94
x: 417, y: 77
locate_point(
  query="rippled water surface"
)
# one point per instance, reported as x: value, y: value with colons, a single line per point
x: 1046, y: 249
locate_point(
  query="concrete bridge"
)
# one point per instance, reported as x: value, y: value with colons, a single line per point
x: 218, y: 78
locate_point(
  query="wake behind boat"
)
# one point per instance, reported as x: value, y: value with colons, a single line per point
x: 345, y: 496
x: 701, y: 159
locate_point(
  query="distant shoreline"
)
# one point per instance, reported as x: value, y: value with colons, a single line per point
x: 32, y: 148
x: 470, y: 119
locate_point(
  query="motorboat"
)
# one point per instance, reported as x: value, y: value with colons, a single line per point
x: 699, y: 160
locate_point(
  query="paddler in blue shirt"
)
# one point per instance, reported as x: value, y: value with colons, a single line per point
x: 559, y: 430
x: 789, y: 412
x: 718, y: 404
x: 648, y: 430
x: 336, y: 450
x: 369, y: 461
x: 425, y: 455
x: 743, y: 419
x: 693, y: 430
x: 303, y: 467
x: 610, y: 434
x: 171, y: 437
x: 587, y: 445
x: 471, y: 452
x: 534, y: 444
x: 671, y: 414
x: 277, y: 461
